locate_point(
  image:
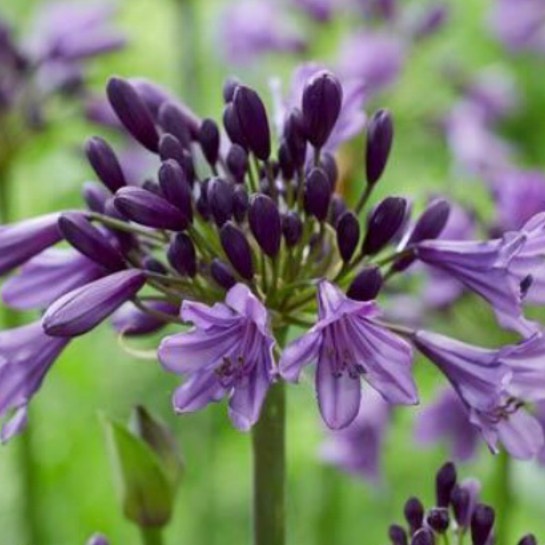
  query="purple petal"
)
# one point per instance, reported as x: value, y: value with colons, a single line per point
x: 197, y: 392
x: 299, y: 353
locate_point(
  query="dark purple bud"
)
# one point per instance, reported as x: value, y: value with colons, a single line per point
x: 153, y: 265
x: 229, y: 88
x: 423, y: 537
x: 95, y: 196
x: 384, y: 222
x: 241, y: 202
x: 82, y: 309
x: 380, y: 134
x: 209, y: 139
x: 348, y: 235
x: 337, y: 209
x: 182, y: 256
x: 292, y: 228
x: 89, y: 241
x: 202, y: 201
x: 285, y: 162
x: 153, y: 187
x: 232, y: 126
x: 366, y: 285
x: 222, y: 275
x: 132, y: 112
x: 460, y: 500
x: 265, y: 224
x: 317, y: 193
x: 322, y: 100
x: 173, y: 121
x: 414, y: 514
x: 175, y: 187
x: 445, y: 481
x: 432, y: 20
x: 220, y: 200
x: 482, y: 522
x: 105, y: 163
x: 237, y: 162
x: 148, y: 209
x: 438, y: 519
x: 528, y: 539
x: 294, y: 135
x: 253, y: 122
x: 188, y: 167
x: 397, y: 535
x: 328, y: 163
x: 170, y: 148
x: 237, y: 249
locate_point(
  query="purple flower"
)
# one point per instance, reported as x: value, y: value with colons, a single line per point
x: 319, y: 10
x: 47, y: 277
x: 97, y: 539
x: 357, y: 448
x: 486, y: 269
x: 82, y: 309
x: 447, y: 418
x: 23, y: 240
x: 227, y: 353
x: 347, y: 342
x: 129, y: 320
x: 26, y: 354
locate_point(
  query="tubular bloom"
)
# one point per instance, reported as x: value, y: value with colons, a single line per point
x: 261, y: 242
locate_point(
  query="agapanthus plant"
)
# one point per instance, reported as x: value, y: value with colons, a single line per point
x: 247, y: 245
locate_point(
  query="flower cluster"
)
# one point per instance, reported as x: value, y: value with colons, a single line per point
x: 457, y: 512
x: 243, y: 243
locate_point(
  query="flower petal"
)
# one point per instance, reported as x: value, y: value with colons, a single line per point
x: 197, y: 392
x: 299, y: 353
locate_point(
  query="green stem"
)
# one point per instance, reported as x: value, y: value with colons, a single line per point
x: 268, y: 437
x: 187, y: 30
x: 330, y: 521
x: 151, y: 535
x: 503, y: 498
x: 364, y: 198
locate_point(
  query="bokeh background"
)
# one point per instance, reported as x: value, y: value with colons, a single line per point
x: 177, y: 43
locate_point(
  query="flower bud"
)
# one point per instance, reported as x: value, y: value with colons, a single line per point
x: 253, y: 122
x: 229, y: 88
x: 237, y: 162
x: 317, y: 194
x: 148, y: 209
x: 231, y: 124
x: 105, y: 163
x: 241, y: 202
x: 89, y: 241
x: 131, y: 321
x: 220, y: 200
x: 528, y: 539
x: 154, y: 265
x: 348, y: 235
x: 132, y: 112
x: 173, y: 121
x: 170, y: 148
x: 336, y: 209
x: 294, y: 135
x: 202, y: 200
x: 322, y: 100
x: 182, y: 256
x: 209, y: 139
x: 328, y: 163
x: 397, y: 535
x: 222, y: 274
x: 445, y: 481
x: 482, y: 522
x: 285, y: 162
x: 292, y: 228
x: 459, y: 498
x: 423, y: 537
x: 366, y: 285
x: 175, y: 188
x: 95, y: 196
x: 237, y: 249
x: 414, y: 514
x: 97, y: 539
x: 438, y: 519
x: 265, y: 224
x: 384, y: 223
x: 380, y: 133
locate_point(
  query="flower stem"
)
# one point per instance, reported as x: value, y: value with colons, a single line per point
x: 151, y: 535
x: 503, y: 498
x: 268, y: 437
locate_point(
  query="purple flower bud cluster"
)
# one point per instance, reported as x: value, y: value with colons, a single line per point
x: 457, y: 513
x: 243, y: 236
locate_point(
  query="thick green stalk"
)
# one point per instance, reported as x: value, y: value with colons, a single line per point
x: 187, y: 31
x: 503, y: 500
x: 268, y: 437
x: 330, y: 520
x: 151, y: 536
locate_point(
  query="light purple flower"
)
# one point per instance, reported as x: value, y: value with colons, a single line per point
x: 485, y: 268
x: 26, y: 354
x: 227, y: 353
x: 252, y: 28
x: 319, y: 10
x: 447, y: 418
x: 357, y: 448
x: 346, y: 343
x: 97, y: 539
x: 129, y: 320
x: 82, y: 309
x: 47, y: 276
x: 25, y: 239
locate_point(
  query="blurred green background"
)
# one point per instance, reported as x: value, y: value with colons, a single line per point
x: 71, y: 480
